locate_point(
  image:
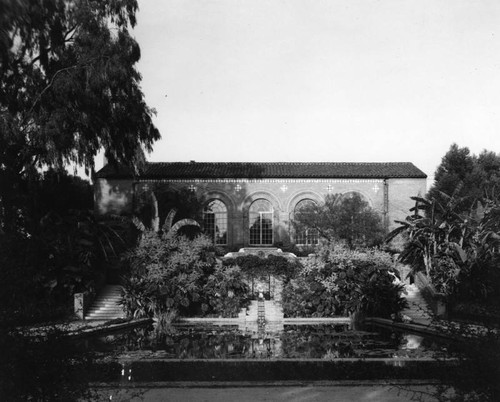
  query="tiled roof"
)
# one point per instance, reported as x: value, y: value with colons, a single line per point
x: 254, y: 170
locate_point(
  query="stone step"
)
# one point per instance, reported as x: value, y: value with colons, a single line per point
x: 266, y: 310
x: 119, y: 312
x: 417, y: 301
x: 106, y: 306
x: 107, y: 300
x: 110, y: 316
x: 420, y: 307
x: 105, y: 310
x: 416, y: 314
x: 411, y: 311
x: 417, y: 310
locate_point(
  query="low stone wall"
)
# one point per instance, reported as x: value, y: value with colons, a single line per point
x: 232, y: 370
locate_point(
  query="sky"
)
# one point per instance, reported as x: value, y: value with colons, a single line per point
x: 321, y: 80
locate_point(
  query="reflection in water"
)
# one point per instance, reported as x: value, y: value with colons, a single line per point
x: 271, y: 341
x: 412, y: 341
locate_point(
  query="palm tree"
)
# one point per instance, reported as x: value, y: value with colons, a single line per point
x: 433, y: 231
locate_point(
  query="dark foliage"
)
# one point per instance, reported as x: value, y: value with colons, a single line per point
x: 469, y: 178
x: 254, y: 266
x: 347, y: 218
x: 225, y: 292
x: 340, y: 282
x: 63, y: 249
x: 44, y: 368
x: 154, y: 204
x: 459, y: 251
x: 181, y: 275
x: 68, y: 88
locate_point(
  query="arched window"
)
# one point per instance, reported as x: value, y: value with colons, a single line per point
x: 215, y: 221
x: 261, y: 223
x: 307, y: 237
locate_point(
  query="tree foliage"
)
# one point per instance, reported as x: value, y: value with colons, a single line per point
x: 466, y: 177
x: 345, y: 218
x: 459, y: 251
x: 435, y: 236
x: 453, y: 234
x: 68, y: 88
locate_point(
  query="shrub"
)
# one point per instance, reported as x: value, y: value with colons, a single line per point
x: 166, y: 274
x: 138, y: 297
x: 225, y: 292
x: 182, y: 276
x: 339, y: 281
x: 254, y: 266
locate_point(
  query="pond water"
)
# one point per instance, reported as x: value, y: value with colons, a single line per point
x: 327, y: 342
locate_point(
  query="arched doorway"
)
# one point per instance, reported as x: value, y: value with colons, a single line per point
x: 261, y: 217
x: 305, y: 236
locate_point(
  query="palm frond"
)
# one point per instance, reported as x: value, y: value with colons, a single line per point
x: 394, y: 233
x: 138, y: 224
x: 169, y: 220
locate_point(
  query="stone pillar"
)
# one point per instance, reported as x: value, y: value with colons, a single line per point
x: 284, y: 228
x: 386, y: 206
x: 237, y: 222
x: 79, y: 305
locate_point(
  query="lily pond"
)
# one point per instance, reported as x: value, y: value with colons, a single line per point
x: 323, y: 341
x: 325, y: 352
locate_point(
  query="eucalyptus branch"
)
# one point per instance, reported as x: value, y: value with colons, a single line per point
x: 52, y: 80
x: 68, y: 37
x: 47, y: 87
x: 71, y: 32
x: 35, y: 59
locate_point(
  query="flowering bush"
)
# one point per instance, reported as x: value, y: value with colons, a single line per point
x: 181, y: 275
x: 340, y: 281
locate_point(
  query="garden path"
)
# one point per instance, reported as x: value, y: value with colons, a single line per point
x: 418, y: 311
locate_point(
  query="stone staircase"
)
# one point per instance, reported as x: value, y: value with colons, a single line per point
x: 418, y: 310
x: 106, y: 306
x: 270, y: 309
x: 252, y: 313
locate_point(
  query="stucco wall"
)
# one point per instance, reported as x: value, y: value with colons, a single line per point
x: 400, y: 191
x: 117, y: 196
x: 283, y: 195
x: 113, y: 196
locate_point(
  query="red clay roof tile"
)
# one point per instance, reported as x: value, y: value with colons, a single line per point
x: 254, y: 170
